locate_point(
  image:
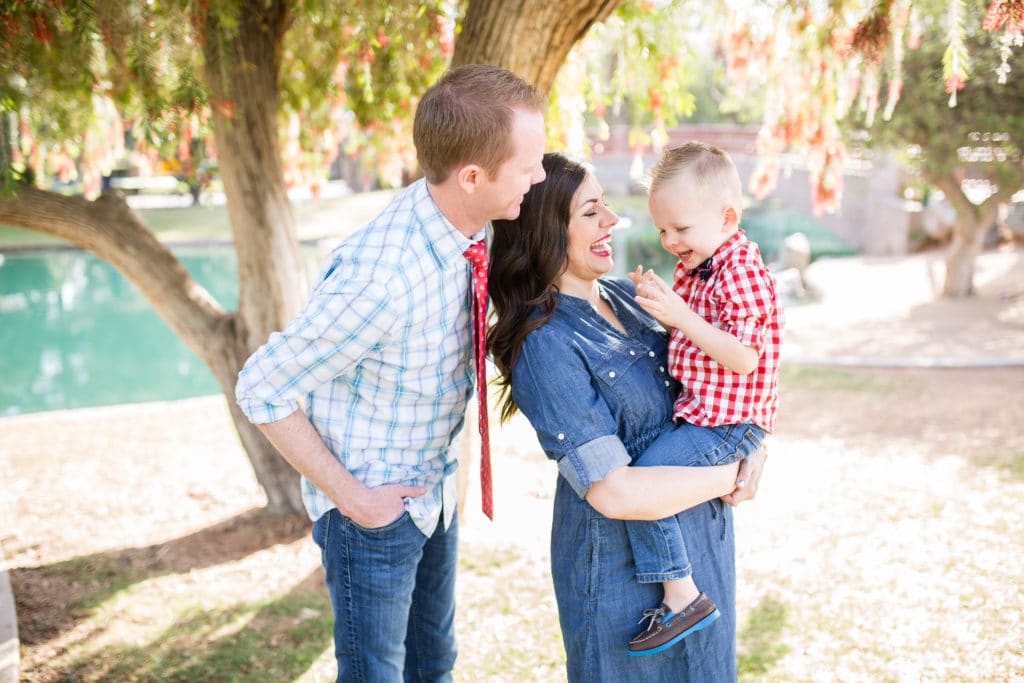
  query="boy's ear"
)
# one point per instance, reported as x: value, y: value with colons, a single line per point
x: 730, y: 217
x: 468, y: 177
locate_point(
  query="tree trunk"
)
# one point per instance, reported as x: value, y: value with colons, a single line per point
x: 963, y: 250
x: 529, y: 37
x: 972, y: 220
x: 241, y: 69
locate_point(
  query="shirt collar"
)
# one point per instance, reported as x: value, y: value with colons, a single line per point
x: 727, y: 246
x: 446, y: 243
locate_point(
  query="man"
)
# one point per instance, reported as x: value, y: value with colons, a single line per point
x: 381, y: 356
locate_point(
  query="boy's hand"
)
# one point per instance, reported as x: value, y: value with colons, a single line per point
x: 656, y: 297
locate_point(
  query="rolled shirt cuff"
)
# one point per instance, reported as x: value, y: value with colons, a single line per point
x: 592, y: 462
x: 259, y: 412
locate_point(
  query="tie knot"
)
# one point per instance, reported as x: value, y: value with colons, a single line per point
x: 477, y: 254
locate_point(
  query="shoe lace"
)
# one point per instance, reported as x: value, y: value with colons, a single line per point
x: 651, y: 614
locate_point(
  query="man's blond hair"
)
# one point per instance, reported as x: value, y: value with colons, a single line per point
x: 708, y: 166
x: 466, y: 117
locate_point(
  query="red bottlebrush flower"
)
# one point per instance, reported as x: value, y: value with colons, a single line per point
x: 198, y: 18
x: 656, y: 99
x: 41, y: 27
x: 871, y: 36
x: 763, y: 181
x: 895, y: 90
x: 225, y: 108
x: 1005, y: 12
x: 11, y: 27
x: 954, y: 83
x: 445, y: 35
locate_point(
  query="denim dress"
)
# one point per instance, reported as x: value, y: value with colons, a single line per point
x: 598, y: 399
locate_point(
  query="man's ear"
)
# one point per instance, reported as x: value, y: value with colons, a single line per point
x: 730, y: 217
x: 469, y: 177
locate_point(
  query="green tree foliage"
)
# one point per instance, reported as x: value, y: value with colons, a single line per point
x: 980, y: 138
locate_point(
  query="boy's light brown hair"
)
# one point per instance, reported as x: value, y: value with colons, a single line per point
x: 708, y: 166
x: 466, y: 117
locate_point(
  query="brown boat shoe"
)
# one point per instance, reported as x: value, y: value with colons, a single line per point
x: 666, y: 628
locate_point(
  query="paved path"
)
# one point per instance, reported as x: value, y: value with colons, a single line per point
x: 886, y: 312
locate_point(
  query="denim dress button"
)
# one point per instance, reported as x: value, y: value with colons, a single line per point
x: 561, y: 436
x: 651, y: 354
x: 612, y: 374
x: 667, y: 383
x: 632, y: 352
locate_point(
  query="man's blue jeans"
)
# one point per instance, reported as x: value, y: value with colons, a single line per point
x: 393, y: 594
x: 659, y: 547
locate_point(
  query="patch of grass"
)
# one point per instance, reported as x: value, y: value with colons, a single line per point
x: 758, y: 646
x: 1011, y: 464
x: 189, y: 223
x: 274, y: 640
x: 174, y: 224
x: 815, y: 378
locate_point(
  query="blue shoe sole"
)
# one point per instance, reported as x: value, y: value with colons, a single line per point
x: 703, y: 623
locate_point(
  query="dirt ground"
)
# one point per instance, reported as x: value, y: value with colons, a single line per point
x: 889, y: 525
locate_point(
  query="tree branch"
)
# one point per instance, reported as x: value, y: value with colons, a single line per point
x: 111, y: 230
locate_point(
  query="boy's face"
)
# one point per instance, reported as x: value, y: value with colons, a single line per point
x: 692, y: 224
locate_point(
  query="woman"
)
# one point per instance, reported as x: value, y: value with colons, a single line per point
x: 586, y: 366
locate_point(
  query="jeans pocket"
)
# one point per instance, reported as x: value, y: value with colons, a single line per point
x: 321, y: 532
x: 380, y: 531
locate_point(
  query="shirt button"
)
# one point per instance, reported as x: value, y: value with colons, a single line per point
x: 661, y: 368
x: 632, y: 353
x: 651, y: 354
x: 611, y: 374
x: 666, y: 383
x: 561, y: 436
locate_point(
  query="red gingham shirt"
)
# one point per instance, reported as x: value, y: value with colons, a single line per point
x: 738, y: 297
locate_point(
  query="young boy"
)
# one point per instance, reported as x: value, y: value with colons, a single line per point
x: 724, y: 324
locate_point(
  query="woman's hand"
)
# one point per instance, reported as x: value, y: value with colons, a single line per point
x: 748, y: 478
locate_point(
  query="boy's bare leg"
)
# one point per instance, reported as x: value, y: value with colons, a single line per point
x: 679, y: 593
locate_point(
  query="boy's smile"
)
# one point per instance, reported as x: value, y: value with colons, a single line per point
x: 692, y: 223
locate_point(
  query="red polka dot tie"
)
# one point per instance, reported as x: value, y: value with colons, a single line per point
x: 477, y: 255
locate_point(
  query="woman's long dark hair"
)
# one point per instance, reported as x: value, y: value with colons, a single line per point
x: 527, y: 256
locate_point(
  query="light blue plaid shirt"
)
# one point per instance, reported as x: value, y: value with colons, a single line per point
x: 381, y: 355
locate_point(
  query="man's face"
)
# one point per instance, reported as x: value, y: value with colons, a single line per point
x: 502, y: 196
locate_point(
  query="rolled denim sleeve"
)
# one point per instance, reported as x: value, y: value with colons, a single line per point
x: 553, y: 387
x: 342, y: 321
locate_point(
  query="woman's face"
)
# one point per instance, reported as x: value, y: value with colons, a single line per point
x: 590, y: 231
